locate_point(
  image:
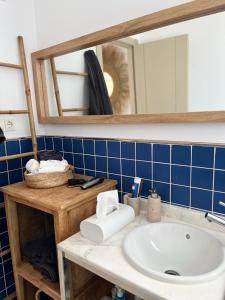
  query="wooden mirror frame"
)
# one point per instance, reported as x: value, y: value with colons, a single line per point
x: 184, y: 12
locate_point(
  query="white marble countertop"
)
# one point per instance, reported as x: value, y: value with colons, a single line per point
x: 108, y: 261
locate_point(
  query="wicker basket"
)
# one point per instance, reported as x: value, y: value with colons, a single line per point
x: 48, y: 180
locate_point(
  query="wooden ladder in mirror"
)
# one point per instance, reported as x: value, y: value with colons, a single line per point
x: 29, y: 111
x: 60, y: 109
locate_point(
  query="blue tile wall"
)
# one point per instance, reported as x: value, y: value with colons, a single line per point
x: 11, y: 172
x: 186, y: 175
x: 192, y: 176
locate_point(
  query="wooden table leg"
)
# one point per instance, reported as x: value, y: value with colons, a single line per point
x: 62, y: 279
x: 13, y: 231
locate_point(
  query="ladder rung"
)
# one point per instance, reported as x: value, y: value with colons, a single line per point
x: 74, y: 109
x: 11, y: 296
x: 4, y: 252
x: 14, y: 112
x: 71, y: 73
x: 8, y: 157
x: 7, y: 65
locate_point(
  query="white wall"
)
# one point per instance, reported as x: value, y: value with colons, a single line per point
x: 58, y: 21
x: 16, y: 18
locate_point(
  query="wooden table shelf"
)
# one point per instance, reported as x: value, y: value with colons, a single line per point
x: 27, y: 272
x: 43, y: 213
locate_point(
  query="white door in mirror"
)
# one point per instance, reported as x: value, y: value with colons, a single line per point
x: 173, y: 252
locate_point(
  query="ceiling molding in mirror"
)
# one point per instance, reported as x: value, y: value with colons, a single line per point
x: 54, y: 70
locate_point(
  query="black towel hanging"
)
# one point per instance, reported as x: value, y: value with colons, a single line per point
x: 99, y: 101
x: 2, y: 136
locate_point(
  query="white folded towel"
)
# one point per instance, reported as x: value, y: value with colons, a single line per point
x: 48, y: 166
x: 32, y: 166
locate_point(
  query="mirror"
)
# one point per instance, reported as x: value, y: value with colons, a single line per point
x: 170, y: 72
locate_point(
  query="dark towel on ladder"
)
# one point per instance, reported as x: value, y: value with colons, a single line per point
x: 2, y: 136
x: 99, y: 101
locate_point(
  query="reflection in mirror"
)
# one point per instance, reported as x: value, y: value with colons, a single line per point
x: 177, y: 68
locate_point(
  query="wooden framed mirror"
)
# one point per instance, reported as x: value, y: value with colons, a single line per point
x: 164, y: 67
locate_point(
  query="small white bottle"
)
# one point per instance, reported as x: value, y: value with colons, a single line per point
x: 154, y: 207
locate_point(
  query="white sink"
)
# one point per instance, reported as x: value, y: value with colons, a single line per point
x: 189, y: 254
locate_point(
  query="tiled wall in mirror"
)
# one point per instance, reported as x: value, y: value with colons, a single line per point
x: 177, y: 68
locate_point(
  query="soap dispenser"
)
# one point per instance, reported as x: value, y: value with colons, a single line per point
x: 154, y: 207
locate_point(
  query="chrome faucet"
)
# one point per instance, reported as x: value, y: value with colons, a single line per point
x: 213, y: 218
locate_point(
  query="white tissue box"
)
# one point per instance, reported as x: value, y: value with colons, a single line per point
x: 100, y: 229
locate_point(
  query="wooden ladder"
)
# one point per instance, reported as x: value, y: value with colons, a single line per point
x: 29, y: 111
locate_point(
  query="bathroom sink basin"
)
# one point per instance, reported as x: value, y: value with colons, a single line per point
x: 175, y: 252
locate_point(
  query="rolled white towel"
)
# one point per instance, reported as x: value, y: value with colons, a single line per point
x: 32, y: 166
x: 48, y: 166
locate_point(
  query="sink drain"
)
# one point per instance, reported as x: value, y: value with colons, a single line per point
x: 172, y: 272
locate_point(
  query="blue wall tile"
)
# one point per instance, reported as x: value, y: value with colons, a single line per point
x: 128, y: 167
x: 114, y: 166
x: 68, y: 157
x: 12, y: 147
x: 161, y: 153
x: 143, y: 151
x: 113, y: 149
x: 26, y: 145
x: 144, y: 169
x: 180, y: 195
x: 181, y: 155
x: 163, y: 190
x: 127, y: 183
x: 67, y: 145
x: 78, y: 160
x: 118, y: 179
x: 216, y: 206
x: 57, y: 144
x: 15, y: 176
x: 146, y: 187
x: 77, y: 146
x: 100, y: 148
x: 89, y: 147
x: 180, y: 175
x: 101, y: 164
x: 14, y: 164
x: 101, y: 174
x: 202, y: 156
x: 202, y: 178
x: 41, y: 143
x: 219, y: 181
x: 49, y: 143
x: 220, y: 158
x: 201, y: 199
x: 128, y: 150
x: 89, y: 162
x: 161, y: 172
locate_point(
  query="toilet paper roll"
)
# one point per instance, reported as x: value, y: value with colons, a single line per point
x: 98, y: 230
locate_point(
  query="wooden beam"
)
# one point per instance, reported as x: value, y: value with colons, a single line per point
x: 56, y: 86
x: 162, y: 18
x: 13, y: 66
x: 4, y: 252
x: 11, y: 296
x: 71, y: 73
x: 13, y: 112
x: 8, y: 157
x: 74, y: 109
x: 28, y: 94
